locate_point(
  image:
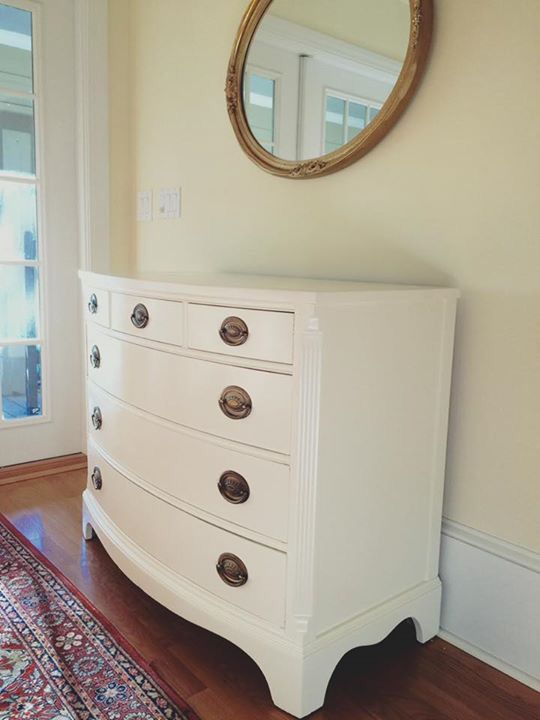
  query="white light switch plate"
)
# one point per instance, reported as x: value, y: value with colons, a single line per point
x: 144, y: 206
x: 169, y: 203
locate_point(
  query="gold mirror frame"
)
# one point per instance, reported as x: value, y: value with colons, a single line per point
x: 408, y: 80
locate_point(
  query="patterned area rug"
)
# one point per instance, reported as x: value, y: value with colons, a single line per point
x: 60, y: 659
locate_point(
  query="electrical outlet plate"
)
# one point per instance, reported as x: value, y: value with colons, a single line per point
x: 144, y: 206
x: 169, y: 203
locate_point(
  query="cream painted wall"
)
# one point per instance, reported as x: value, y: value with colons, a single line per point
x: 451, y: 196
x: 120, y: 136
x: 381, y: 26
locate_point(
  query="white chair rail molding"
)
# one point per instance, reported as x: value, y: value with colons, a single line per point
x: 266, y: 458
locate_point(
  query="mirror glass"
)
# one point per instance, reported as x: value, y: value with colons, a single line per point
x: 319, y: 71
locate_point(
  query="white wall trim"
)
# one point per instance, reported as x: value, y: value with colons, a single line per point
x: 490, y: 600
x: 301, y: 40
x: 491, y: 660
x: 91, y: 37
x: 493, y: 545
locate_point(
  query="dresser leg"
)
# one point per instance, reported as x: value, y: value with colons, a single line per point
x: 426, y: 627
x: 298, y: 687
x: 87, y: 529
x: 427, y: 617
x: 298, y: 684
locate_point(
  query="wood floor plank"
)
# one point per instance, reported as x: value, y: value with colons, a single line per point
x: 41, y: 468
x: 397, y: 679
x: 177, y: 674
x: 211, y: 707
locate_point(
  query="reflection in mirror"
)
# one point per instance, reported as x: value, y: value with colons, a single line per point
x: 319, y: 71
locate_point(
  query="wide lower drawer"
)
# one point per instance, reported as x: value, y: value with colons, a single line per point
x: 188, y: 391
x: 160, y: 320
x: 96, y: 303
x: 190, y: 547
x: 240, y: 488
x: 259, y: 334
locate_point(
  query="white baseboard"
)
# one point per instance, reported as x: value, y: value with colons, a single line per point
x: 491, y: 600
x: 498, y: 664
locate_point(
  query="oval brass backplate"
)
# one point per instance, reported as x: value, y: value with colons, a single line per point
x: 93, y: 304
x: 97, y: 418
x: 140, y: 316
x: 235, y: 402
x: 95, y: 357
x: 232, y: 570
x: 97, y: 480
x: 234, y: 487
x: 234, y: 331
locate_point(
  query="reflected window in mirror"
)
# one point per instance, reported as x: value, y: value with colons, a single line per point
x: 260, y: 100
x: 345, y: 117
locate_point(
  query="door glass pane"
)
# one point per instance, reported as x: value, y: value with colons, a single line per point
x: 334, y: 123
x: 20, y: 380
x: 19, y: 302
x: 17, y: 135
x: 16, y: 70
x: 18, y: 221
x: 20, y: 364
x: 357, y: 119
x: 373, y: 112
x: 260, y: 107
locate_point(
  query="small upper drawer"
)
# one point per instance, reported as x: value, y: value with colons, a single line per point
x: 96, y: 304
x: 161, y: 320
x: 257, y: 334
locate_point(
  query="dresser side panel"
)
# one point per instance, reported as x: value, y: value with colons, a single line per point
x: 384, y: 407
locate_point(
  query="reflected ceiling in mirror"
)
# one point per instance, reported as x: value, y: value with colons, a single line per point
x: 314, y: 84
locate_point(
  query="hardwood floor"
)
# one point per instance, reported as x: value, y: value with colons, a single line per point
x: 395, y: 680
x: 53, y: 466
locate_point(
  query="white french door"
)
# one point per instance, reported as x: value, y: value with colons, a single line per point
x: 40, y: 363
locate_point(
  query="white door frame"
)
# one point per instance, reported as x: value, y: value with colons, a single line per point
x: 87, y: 215
x: 92, y: 80
x: 61, y: 430
x: 91, y: 42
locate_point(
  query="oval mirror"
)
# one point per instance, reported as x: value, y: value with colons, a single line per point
x: 313, y: 85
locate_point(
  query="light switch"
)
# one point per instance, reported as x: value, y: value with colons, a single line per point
x: 169, y: 203
x: 144, y: 206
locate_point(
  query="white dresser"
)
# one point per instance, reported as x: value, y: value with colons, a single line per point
x: 266, y: 458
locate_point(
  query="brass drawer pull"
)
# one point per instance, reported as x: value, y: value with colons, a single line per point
x: 233, y: 487
x: 93, y: 304
x: 97, y: 418
x: 95, y: 357
x: 97, y: 480
x: 234, y: 331
x: 235, y: 402
x: 140, y: 316
x: 232, y: 570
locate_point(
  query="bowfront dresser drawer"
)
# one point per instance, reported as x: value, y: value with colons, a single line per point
x: 257, y: 334
x: 97, y: 306
x: 249, y: 576
x: 159, y: 320
x: 244, y: 405
x: 240, y: 488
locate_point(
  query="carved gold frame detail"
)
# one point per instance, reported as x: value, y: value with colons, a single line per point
x: 409, y: 78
